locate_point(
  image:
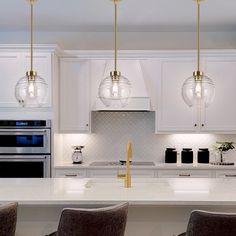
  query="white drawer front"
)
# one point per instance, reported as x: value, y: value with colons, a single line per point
x: 102, y: 173
x: 143, y: 173
x: 184, y: 174
x: 226, y: 174
x: 69, y: 173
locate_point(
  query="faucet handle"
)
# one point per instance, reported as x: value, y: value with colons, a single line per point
x: 129, y: 151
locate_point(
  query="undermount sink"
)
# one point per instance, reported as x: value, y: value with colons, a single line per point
x: 136, y: 182
x: 120, y: 163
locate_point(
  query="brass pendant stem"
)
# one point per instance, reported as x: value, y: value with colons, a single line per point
x: 115, y: 35
x: 198, y: 61
x: 31, y: 34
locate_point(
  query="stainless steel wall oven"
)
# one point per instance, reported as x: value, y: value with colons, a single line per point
x: 25, y: 148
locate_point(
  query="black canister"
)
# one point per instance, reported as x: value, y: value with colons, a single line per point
x: 203, y: 156
x: 170, y: 155
x: 187, y: 156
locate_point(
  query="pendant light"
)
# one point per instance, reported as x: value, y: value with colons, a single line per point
x: 198, y: 89
x: 31, y: 90
x: 115, y: 89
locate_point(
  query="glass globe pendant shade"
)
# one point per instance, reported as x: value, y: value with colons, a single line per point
x: 196, y: 90
x: 115, y: 91
x: 31, y: 92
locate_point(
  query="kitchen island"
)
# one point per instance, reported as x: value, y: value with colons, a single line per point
x: 158, y: 207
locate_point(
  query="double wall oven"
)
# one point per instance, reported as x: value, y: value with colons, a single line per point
x: 25, y: 148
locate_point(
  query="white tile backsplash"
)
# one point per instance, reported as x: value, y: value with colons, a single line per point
x: 112, y: 130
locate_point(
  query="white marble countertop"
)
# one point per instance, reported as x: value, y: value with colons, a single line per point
x: 159, y: 192
x: 161, y: 166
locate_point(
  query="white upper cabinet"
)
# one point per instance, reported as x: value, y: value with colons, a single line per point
x: 172, y: 112
x: 221, y: 114
x: 11, y: 71
x: 13, y: 66
x: 74, y: 95
x: 173, y: 115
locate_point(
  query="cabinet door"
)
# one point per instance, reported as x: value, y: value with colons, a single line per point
x: 221, y: 114
x: 173, y: 114
x: 43, y: 67
x: 74, y: 95
x: 11, y: 71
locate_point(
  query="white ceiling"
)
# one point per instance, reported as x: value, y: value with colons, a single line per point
x: 134, y: 15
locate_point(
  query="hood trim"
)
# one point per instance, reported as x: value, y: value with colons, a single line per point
x: 135, y: 104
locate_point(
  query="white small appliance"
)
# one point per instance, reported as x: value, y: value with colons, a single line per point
x: 77, y: 156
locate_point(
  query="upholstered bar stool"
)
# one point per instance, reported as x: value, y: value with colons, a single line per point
x: 202, y: 223
x: 108, y: 221
x: 8, y: 217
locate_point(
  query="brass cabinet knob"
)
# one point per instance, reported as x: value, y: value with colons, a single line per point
x: 195, y: 125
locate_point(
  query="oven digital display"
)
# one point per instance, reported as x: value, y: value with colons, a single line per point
x: 21, y: 123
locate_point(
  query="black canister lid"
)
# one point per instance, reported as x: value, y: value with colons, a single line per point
x: 170, y: 149
x: 187, y: 149
x: 203, y: 149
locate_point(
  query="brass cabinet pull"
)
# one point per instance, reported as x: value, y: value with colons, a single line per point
x: 184, y: 175
x: 70, y: 175
x: 230, y: 175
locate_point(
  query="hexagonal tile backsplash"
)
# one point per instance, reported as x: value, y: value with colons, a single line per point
x: 112, y: 130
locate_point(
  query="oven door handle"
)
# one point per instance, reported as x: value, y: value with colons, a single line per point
x: 33, y: 131
x: 23, y: 157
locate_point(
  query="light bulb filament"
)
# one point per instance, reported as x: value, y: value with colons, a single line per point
x: 31, y: 89
x: 198, y: 90
x: 115, y: 90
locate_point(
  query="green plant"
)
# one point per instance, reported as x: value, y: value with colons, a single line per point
x: 223, y: 147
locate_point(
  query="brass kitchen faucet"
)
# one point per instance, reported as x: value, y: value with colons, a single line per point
x: 127, y: 175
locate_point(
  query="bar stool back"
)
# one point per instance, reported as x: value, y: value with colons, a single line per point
x: 8, y: 217
x: 202, y: 223
x: 109, y: 221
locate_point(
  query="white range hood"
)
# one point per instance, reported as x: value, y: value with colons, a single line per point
x: 139, y: 99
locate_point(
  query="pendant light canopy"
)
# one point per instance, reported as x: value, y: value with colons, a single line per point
x: 31, y: 90
x: 199, y: 87
x: 115, y: 89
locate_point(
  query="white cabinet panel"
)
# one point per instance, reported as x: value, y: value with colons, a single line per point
x: 221, y: 114
x: 74, y: 95
x: 184, y: 173
x: 172, y: 113
x: 11, y: 71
